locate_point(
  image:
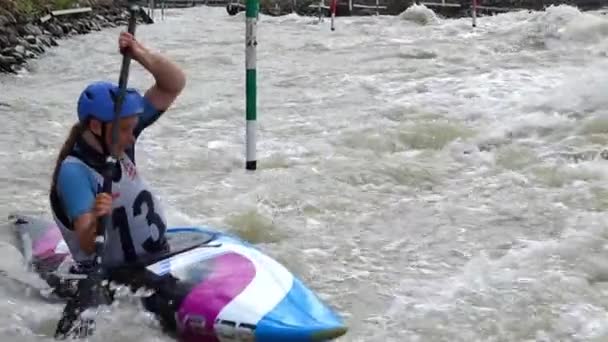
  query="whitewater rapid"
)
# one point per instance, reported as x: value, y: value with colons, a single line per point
x: 431, y: 181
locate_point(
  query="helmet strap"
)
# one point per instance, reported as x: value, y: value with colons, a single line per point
x: 100, y: 139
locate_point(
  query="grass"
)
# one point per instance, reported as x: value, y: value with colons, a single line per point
x: 64, y: 4
x: 35, y: 7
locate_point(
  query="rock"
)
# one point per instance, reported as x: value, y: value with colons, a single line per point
x: 93, y: 25
x: 82, y: 27
x: 37, y: 47
x: 23, y: 43
x: 29, y: 54
x: 31, y: 39
x: 3, y: 21
x: 55, y: 30
x: 20, y: 57
x: 11, y: 34
x: 46, y: 40
x: 20, y: 49
x: 6, y: 62
x: 33, y: 30
x: 7, y: 59
x: 3, y: 41
x: 6, y: 68
x: 21, y: 19
x: 66, y: 27
x: 43, y: 41
x: 23, y: 37
x: 7, y: 19
x: 234, y: 9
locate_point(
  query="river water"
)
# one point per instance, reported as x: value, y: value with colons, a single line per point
x: 431, y: 181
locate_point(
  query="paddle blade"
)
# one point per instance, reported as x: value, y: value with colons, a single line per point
x: 73, y: 323
x: 72, y: 326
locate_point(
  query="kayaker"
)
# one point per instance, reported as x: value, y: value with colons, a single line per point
x: 76, y: 198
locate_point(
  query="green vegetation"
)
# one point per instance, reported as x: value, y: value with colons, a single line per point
x: 34, y: 7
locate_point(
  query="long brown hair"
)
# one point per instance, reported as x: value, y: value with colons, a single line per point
x: 67, y: 147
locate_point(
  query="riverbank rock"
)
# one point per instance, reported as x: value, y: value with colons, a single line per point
x: 23, y: 37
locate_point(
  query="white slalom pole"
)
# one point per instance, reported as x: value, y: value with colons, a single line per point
x: 333, y: 6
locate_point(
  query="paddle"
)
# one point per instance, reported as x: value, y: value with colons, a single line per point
x: 91, y: 290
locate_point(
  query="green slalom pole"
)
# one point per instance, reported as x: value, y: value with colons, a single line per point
x: 251, y: 43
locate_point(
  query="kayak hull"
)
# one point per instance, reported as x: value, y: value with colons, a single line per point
x: 230, y: 290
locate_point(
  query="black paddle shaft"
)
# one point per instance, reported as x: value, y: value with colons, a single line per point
x: 112, y: 159
x: 91, y: 292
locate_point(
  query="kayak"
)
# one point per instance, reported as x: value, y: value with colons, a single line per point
x: 222, y: 287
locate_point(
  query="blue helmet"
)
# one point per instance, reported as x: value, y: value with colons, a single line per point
x: 97, y: 101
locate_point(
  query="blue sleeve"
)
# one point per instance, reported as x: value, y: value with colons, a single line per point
x: 76, y: 188
x: 148, y: 117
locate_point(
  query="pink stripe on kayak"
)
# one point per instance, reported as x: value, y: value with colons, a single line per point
x: 45, y: 246
x: 231, y: 274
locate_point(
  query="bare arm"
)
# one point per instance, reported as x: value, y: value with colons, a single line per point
x: 170, y: 79
x: 85, y: 227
